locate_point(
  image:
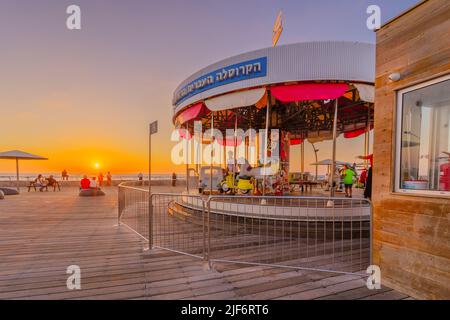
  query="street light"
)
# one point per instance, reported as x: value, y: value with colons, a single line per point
x: 315, y: 153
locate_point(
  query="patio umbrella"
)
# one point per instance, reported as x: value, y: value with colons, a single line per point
x: 328, y: 162
x: 19, y: 155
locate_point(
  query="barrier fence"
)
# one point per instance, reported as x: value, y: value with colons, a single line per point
x: 312, y: 233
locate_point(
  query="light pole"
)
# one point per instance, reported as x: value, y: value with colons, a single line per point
x: 315, y: 154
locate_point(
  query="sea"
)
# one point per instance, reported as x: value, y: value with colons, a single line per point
x: 77, y: 177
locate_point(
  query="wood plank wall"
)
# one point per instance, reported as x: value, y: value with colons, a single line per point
x: 411, y: 233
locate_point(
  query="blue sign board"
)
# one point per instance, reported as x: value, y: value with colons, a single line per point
x: 237, y: 72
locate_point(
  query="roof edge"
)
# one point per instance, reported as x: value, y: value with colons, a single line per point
x: 402, y: 14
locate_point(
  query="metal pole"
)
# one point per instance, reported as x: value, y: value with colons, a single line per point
x: 266, y: 140
x: 150, y: 204
x: 212, y: 153
x: 315, y: 154
x: 333, y: 160
x: 368, y: 134
x: 187, y: 156
x: 365, y: 148
x: 17, y: 173
x: 234, y: 150
x: 302, y: 158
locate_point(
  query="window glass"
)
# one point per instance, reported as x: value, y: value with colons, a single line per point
x: 425, y: 138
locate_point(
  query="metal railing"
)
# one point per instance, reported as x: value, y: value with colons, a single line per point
x: 298, y: 232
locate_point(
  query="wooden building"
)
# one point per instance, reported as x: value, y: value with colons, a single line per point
x: 411, y: 174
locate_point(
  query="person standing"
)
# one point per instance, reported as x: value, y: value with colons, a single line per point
x: 348, y: 175
x: 109, y: 179
x: 65, y: 175
x: 362, y: 178
x: 368, y: 188
x: 174, y: 179
x: 100, y: 179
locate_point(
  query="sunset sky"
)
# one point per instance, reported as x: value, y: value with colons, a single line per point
x: 86, y: 97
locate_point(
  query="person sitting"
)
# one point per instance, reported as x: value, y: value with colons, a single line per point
x: 40, y: 182
x: 85, y: 183
x: 89, y: 188
x: 51, y: 182
x: 93, y: 184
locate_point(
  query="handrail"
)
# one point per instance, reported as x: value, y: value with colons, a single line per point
x: 170, y: 223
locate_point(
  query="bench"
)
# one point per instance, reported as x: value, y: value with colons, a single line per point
x: 34, y: 186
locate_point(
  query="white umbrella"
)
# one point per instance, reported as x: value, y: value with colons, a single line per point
x: 16, y: 154
x: 328, y: 162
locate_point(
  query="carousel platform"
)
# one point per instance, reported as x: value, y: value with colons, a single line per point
x: 310, y: 216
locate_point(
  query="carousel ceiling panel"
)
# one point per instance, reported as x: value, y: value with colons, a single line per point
x: 366, y: 92
x: 309, y: 91
x: 235, y: 100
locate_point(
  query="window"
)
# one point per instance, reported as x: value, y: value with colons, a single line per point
x: 423, y: 141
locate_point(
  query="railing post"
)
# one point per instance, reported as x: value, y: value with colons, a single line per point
x: 208, y: 230
x: 205, y: 255
x: 150, y: 221
x: 118, y: 205
x: 206, y: 236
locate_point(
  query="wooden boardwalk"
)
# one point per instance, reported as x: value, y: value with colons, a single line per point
x: 41, y: 234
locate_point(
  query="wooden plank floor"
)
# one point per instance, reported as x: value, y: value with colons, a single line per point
x: 41, y: 234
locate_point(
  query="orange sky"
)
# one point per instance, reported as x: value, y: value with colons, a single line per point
x: 81, y: 97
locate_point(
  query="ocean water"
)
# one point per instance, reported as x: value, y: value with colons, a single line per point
x: 77, y: 177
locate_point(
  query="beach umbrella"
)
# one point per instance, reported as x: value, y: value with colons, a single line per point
x: 19, y: 155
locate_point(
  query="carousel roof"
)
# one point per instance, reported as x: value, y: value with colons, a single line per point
x: 217, y: 85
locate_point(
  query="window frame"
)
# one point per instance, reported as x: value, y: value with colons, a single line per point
x: 398, y: 140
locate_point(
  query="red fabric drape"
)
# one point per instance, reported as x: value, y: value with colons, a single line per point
x: 192, y: 112
x: 309, y: 91
x: 355, y: 133
x: 296, y: 141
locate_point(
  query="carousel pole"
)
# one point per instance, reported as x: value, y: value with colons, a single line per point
x: 187, y: 156
x: 368, y: 134
x: 333, y: 160
x: 212, y: 154
x: 198, y: 148
x: 235, y: 143
x: 365, y: 148
x: 302, y: 158
x: 266, y: 139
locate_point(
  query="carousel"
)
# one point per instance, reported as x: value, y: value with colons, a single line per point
x: 238, y: 118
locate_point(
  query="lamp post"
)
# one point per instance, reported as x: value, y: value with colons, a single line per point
x: 315, y: 154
